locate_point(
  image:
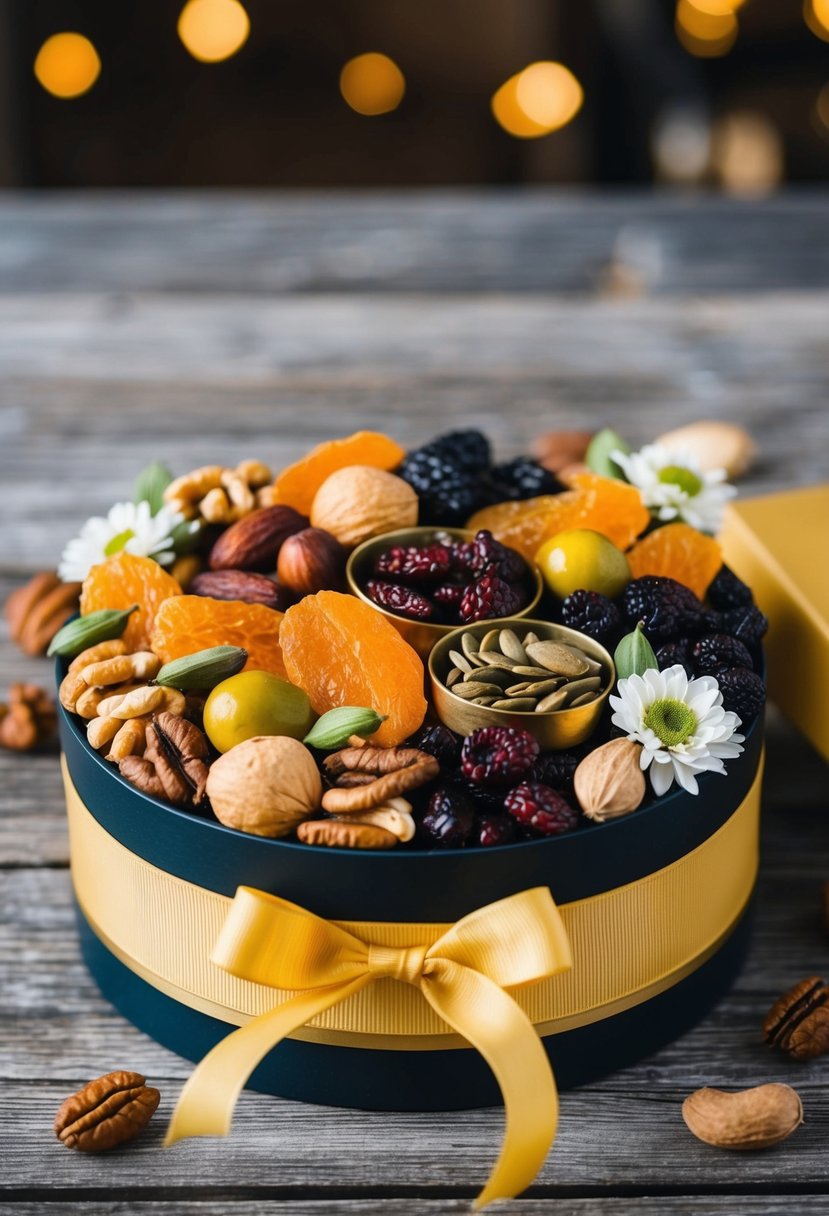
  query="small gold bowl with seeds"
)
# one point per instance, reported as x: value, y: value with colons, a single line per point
x: 421, y: 635
x: 544, y: 678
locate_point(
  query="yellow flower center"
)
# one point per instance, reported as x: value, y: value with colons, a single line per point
x: 671, y: 721
x: 675, y: 475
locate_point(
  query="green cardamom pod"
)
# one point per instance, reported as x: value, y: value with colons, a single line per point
x: 336, y: 727
x: 204, y: 669
x: 85, y: 631
x: 634, y: 654
x: 598, y: 456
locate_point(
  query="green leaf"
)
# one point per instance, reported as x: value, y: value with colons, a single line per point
x: 599, y: 450
x: 185, y: 536
x: 634, y: 654
x: 151, y: 484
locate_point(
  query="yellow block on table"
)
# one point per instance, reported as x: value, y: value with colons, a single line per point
x: 779, y: 545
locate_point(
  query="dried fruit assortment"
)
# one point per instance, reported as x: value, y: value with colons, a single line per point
x: 252, y: 684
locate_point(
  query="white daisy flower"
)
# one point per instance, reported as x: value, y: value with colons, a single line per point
x: 129, y: 527
x: 673, y: 486
x: 680, y: 723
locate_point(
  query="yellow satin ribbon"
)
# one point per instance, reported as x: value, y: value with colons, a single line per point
x: 463, y: 975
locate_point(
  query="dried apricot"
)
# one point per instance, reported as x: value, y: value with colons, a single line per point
x: 124, y: 580
x: 196, y: 622
x: 680, y: 552
x: 342, y: 652
x: 298, y: 484
x: 602, y: 504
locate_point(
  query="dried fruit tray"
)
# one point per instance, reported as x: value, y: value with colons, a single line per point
x: 673, y: 874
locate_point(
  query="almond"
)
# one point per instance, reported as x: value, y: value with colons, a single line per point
x: 253, y: 542
x: 240, y: 585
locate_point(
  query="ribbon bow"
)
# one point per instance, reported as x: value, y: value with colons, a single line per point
x: 506, y: 945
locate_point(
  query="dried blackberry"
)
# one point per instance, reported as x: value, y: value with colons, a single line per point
x: 468, y: 449
x: 425, y: 469
x: 403, y: 600
x: 743, y: 692
x: 522, y: 478
x: 490, y: 597
x: 484, y: 553
x: 715, y: 651
x: 432, y: 562
x: 671, y: 653
x: 555, y: 769
x: 541, y: 808
x: 591, y: 613
x: 748, y: 625
x: 452, y: 501
x: 439, y: 742
x: 727, y: 591
x: 498, y: 755
x: 448, y: 820
x: 667, y: 608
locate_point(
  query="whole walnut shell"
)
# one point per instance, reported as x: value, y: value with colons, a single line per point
x: 266, y: 785
x: 359, y: 502
x: 609, y: 781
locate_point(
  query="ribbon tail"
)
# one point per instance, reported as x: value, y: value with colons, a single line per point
x: 206, y: 1104
x: 490, y: 1020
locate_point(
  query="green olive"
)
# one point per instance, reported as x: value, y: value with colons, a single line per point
x: 581, y: 559
x: 255, y: 703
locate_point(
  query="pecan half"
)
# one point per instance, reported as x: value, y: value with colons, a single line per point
x: 174, y: 762
x: 395, y: 771
x: 106, y: 1112
x: 28, y: 720
x: 36, y: 611
x: 798, y: 1023
x: 338, y: 834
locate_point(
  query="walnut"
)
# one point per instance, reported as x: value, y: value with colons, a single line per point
x: 36, y: 611
x: 358, y: 502
x: 28, y: 720
x: 106, y: 1112
x: 266, y: 785
x: 174, y: 764
x: 218, y: 495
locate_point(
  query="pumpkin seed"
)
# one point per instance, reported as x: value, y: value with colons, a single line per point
x: 555, y: 700
x: 454, y: 675
x: 541, y: 688
x: 558, y: 658
x: 516, y: 705
x: 499, y: 660
x: 502, y: 676
x: 515, y: 690
x: 584, y: 699
x: 533, y: 673
x: 490, y: 641
x: 511, y: 647
x: 474, y: 688
x: 469, y: 646
x: 531, y: 637
x: 589, y: 684
x: 460, y: 660
x: 483, y: 701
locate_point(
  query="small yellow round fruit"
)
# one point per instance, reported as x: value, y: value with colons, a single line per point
x: 583, y: 559
x: 255, y: 703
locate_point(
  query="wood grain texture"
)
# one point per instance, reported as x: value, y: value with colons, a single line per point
x: 201, y: 329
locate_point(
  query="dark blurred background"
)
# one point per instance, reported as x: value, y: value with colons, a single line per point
x: 369, y: 93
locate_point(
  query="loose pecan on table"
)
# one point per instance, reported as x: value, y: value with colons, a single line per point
x: 36, y: 611
x: 174, y: 762
x: 28, y: 719
x: 106, y: 1112
x: 798, y: 1023
x: 393, y: 771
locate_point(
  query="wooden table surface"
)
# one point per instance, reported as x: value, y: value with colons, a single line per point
x: 212, y: 327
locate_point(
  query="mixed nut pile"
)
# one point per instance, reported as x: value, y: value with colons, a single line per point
x: 245, y: 681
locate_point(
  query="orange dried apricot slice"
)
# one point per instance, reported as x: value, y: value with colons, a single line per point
x: 196, y: 622
x: 602, y: 504
x: 343, y: 652
x: 297, y: 485
x: 124, y: 580
x: 680, y: 552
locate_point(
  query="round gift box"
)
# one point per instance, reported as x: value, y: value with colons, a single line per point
x: 582, y: 869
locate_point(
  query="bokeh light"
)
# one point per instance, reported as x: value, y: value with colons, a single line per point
x: 717, y: 8
x: 213, y: 30
x: 67, y: 65
x: 816, y: 16
x: 372, y: 84
x: 748, y: 153
x: 542, y: 98
x: 705, y: 34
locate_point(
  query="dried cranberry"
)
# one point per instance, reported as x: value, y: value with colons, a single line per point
x: 541, y: 808
x: 484, y: 552
x: 403, y: 600
x: 490, y: 597
x: 431, y: 563
x: 498, y: 755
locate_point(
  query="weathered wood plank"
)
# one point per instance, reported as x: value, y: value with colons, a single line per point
x: 766, y: 1204
x: 533, y: 240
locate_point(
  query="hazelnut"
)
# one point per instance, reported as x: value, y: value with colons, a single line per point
x: 266, y: 785
x: 359, y: 502
x: 311, y: 561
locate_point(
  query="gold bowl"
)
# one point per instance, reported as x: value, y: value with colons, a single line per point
x: 421, y: 635
x: 558, y: 728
